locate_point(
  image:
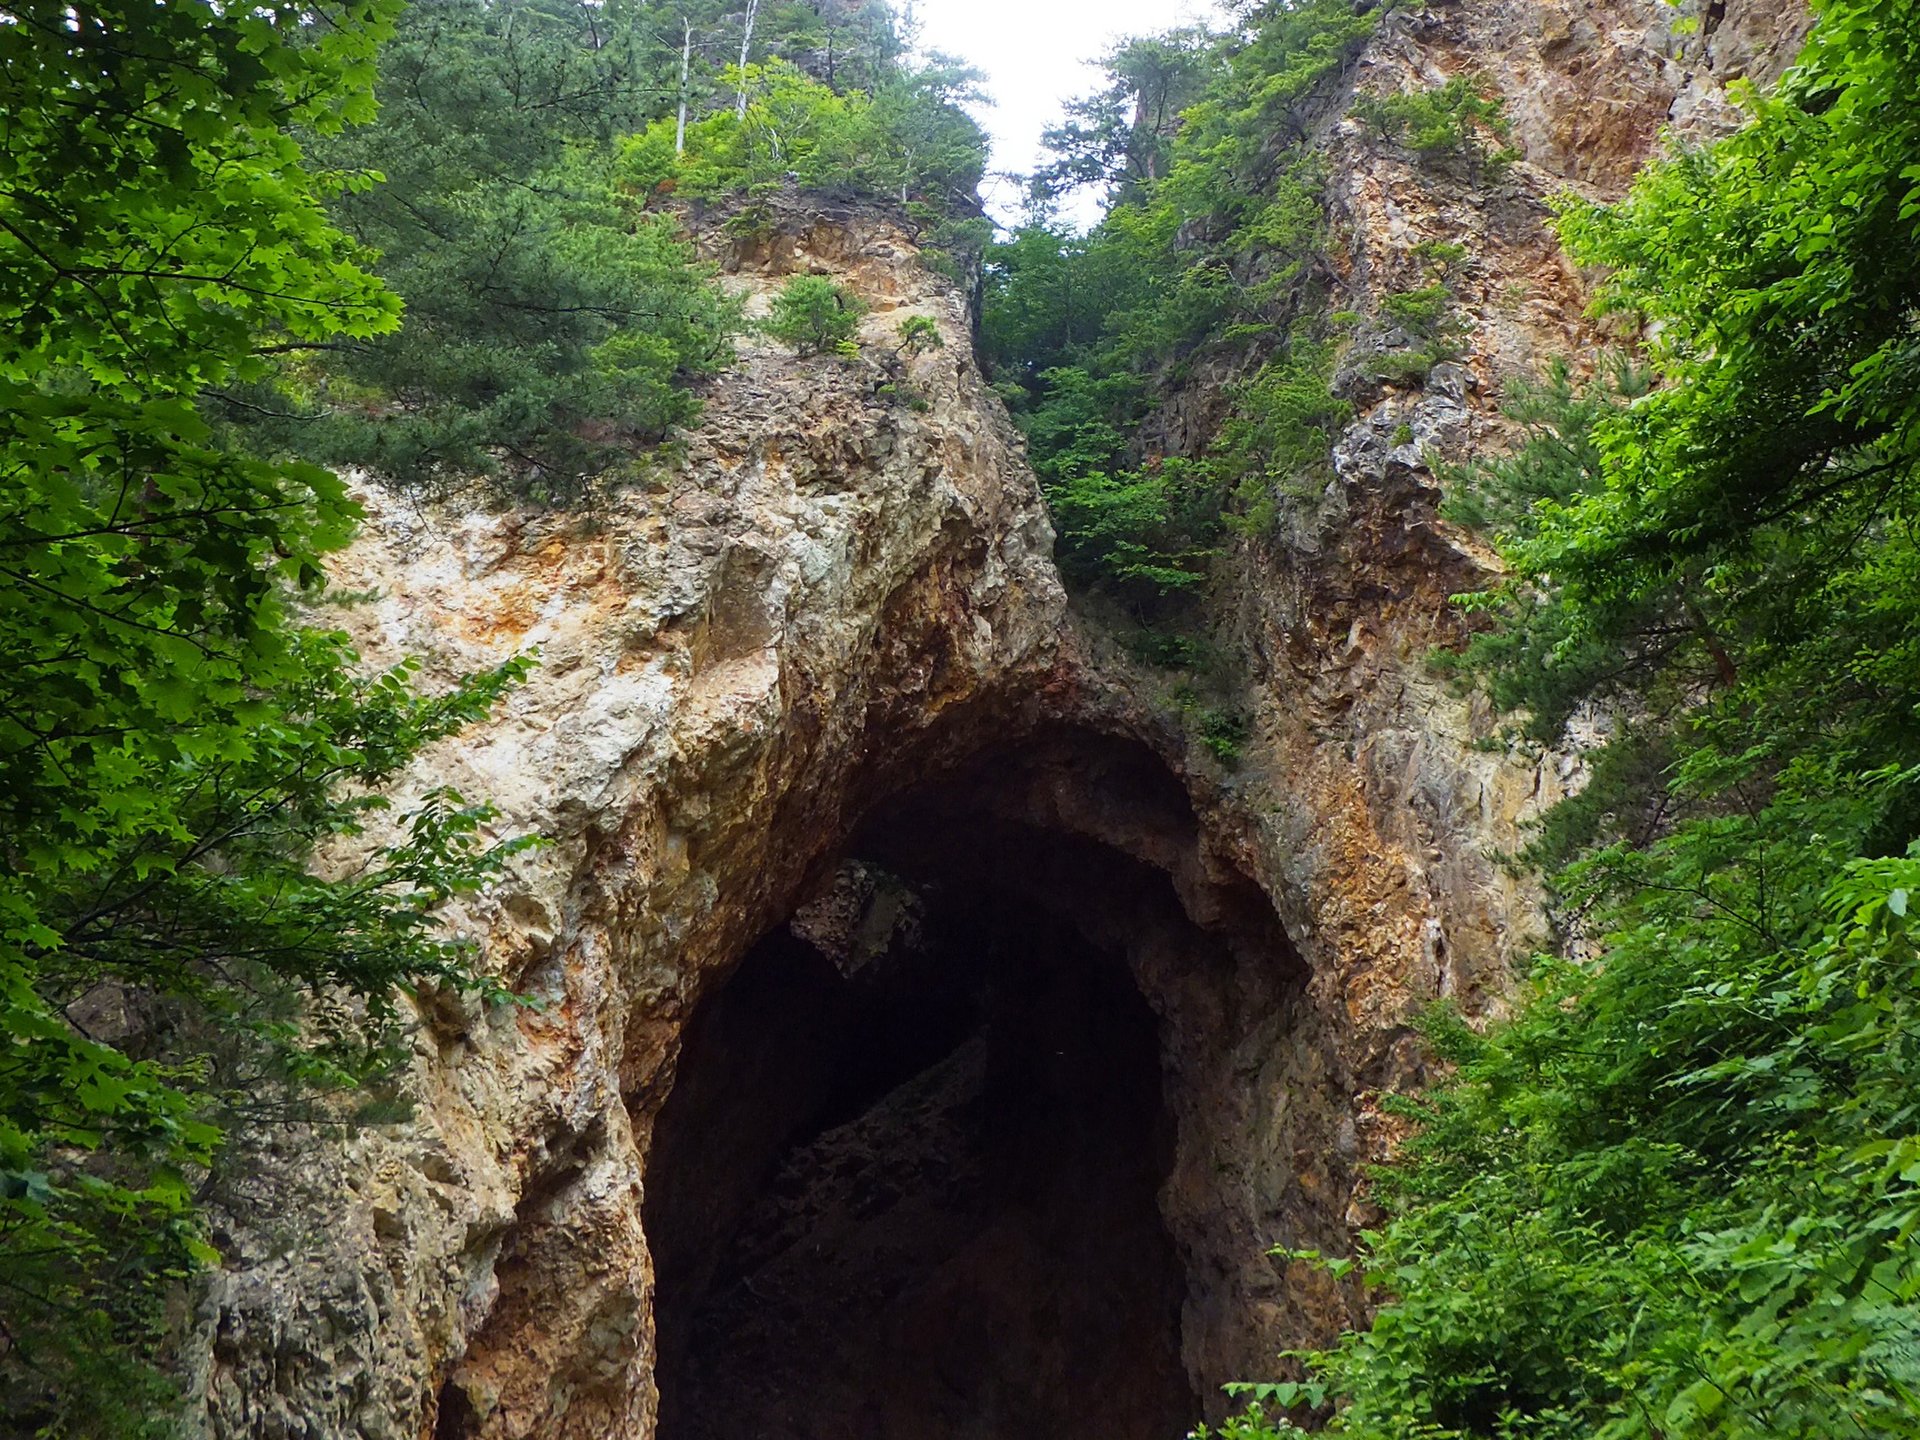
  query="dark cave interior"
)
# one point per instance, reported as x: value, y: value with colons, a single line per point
x: 907, y: 1180
x: 918, y: 1200
x: 911, y: 1181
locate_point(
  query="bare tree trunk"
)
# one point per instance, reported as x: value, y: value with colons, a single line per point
x: 686, y: 72
x: 746, y: 49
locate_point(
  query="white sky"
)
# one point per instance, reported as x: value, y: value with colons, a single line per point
x: 1037, y: 55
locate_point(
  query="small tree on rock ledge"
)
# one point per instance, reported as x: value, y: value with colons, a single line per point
x: 813, y: 314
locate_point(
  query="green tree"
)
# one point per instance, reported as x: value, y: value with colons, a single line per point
x: 1121, y: 137
x: 906, y: 140
x: 552, y: 323
x: 1212, y: 249
x: 1442, y: 125
x: 1676, y: 1197
x: 172, y: 742
x: 813, y: 314
x: 918, y: 334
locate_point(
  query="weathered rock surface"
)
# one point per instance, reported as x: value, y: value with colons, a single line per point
x: 833, y: 629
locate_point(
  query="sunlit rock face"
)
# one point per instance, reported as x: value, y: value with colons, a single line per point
x: 928, y: 1038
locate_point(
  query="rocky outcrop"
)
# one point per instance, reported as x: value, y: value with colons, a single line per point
x: 1369, y: 780
x: 832, y: 591
x: 826, y: 642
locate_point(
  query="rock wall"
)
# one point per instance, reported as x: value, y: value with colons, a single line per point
x: 1367, y: 779
x: 831, y: 590
x: 832, y: 629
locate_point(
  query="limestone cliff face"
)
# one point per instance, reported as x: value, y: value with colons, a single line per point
x: 831, y: 593
x: 818, y: 674
x: 1336, y: 614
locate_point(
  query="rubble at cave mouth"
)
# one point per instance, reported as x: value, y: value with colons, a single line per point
x: 909, y: 1186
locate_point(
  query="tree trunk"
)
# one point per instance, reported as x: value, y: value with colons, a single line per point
x: 686, y: 73
x: 746, y: 48
x: 1722, y: 661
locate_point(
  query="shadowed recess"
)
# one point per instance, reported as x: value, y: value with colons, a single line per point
x: 907, y: 1184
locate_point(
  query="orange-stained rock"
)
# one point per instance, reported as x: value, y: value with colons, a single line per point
x: 837, y: 593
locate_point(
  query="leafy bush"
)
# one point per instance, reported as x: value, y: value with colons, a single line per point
x: 1427, y: 317
x: 1252, y: 1423
x: 1676, y: 1197
x: 550, y: 327
x: 1214, y: 243
x: 1223, y: 731
x: 1146, y: 530
x: 813, y: 314
x: 173, y: 745
x: 1440, y: 255
x: 1277, y: 445
x: 904, y: 140
x: 1442, y: 124
x: 1422, y: 313
x: 919, y: 333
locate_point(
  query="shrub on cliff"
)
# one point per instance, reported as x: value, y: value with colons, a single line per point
x: 814, y: 315
x: 1212, y: 248
x: 551, y: 325
x: 1448, y: 123
x: 905, y: 139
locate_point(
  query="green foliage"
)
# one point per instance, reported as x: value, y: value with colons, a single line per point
x: 850, y: 45
x: 1121, y: 137
x: 1212, y: 250
x: 1442, y: 125
x: 1420, y: 312
x: 551, y: 323
x: 813, y: 314
x: 1531, y: 663
x: 1676, y: 1197
x: 1440, y: 255
x: 919, y: 333
x: 1277, y: 444
x: 1426, y: 320
x: 172, y: 743
x: 1142, y: 530
x: 556, y: 316
x: 1253, y: 1423
x: 1050, y: 297
x: 954, y: 247
x: 906, y: 139
x: 1145, y: 530
x: 1223, y: 730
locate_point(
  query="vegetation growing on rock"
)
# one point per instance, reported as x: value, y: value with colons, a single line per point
x: 814, y: 315
x: 522, y: 189
x: 1677, y: 1195
x: 173, y: 743
x: 552, y: 320
x: 906, y: 140
x: 1213, y: 246
x: 1444, y: 125
x: 234, y: 244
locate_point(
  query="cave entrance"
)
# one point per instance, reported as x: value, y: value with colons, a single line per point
x: 911, y: 1180
x: 908, y: 1185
